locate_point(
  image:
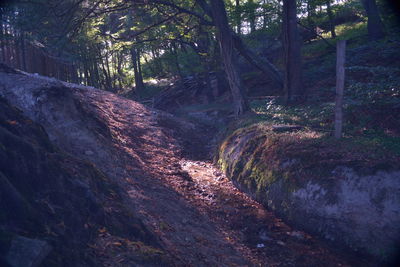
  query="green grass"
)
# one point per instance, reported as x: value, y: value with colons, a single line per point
x: 313, y: 116
x: 319, y: 118
x: 350, y: 31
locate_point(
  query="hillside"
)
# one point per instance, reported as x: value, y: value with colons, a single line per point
x: 155, y: 205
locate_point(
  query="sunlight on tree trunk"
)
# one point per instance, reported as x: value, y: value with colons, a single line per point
x: 229, y: 57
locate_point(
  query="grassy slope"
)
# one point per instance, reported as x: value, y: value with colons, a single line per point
x: 255, y: 156
x: 372, y: 94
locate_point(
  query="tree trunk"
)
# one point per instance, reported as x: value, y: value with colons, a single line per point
x: 107, y: 82
x: 176, y: 59
x: 119, y: 69
x: 311, y: 15
x: 331, y: 19
x: 3, y: 54
x: 139, y: 86
x: 375, y: 25
x: 226, y: 42
x: 252, y: 15
x: 292, y: 51
x: 204, y: 56
x: 23, y: 51
x: 340, y: 73
x: 265, y: 15
x: 266, y: 67
x: 110, y: 82
x: 238, y: 17
x: 140, y: 69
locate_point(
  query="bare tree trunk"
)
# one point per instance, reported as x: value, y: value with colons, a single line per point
x: 226, y: 42
x: 107, y: 82
x: 238, y: 17
x: 176, y: 59
x: 139, y: 85
x: 16, y: 48
x: 311, y: 15
x: 292, y: 51
x: 375, y: 25
x: 119, y: 69
x: 94, y: 73
x: 114, y: 71
x: 265, y: 15
x: 140, y: 69
x: 252, y: 15
x: 340, y: 74
x: 23, y: 51
x: 331, y: 19
x: 2, y: 39
x: 110, y: 82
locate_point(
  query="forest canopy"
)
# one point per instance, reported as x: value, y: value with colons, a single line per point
x: 120, y: 45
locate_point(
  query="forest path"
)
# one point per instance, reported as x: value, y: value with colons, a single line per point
x: 261, y: 237
x: 165, y: 181
x: 199, y: 216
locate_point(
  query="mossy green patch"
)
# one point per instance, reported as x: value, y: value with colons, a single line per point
x: 258, y: 157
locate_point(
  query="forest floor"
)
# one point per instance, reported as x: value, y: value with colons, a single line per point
x: 201, y: 218
x: 167, y: 180
x: 198, y: 214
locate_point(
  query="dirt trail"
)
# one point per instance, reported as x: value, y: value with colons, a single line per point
x: 197, y: 215
x: 257, y: 233
x: 261, y: 237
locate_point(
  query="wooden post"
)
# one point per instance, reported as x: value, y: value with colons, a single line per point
x: 340, y: 60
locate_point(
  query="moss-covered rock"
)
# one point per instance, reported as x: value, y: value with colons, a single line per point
x: 340, y: 190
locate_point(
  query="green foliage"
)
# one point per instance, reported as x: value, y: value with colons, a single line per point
x: 350, y: 31
x: 166, y: 64
x: 97, y: 36
x: 372, y: 94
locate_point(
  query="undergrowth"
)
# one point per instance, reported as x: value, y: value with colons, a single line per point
x: 372, y: 92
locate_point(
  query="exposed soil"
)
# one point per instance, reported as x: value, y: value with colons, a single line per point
x: 159, y: 162
x: 198, y: 214
x: 262, y: 238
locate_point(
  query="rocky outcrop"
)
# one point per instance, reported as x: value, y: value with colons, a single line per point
x: 44, y: 193
x: 342, y: 192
